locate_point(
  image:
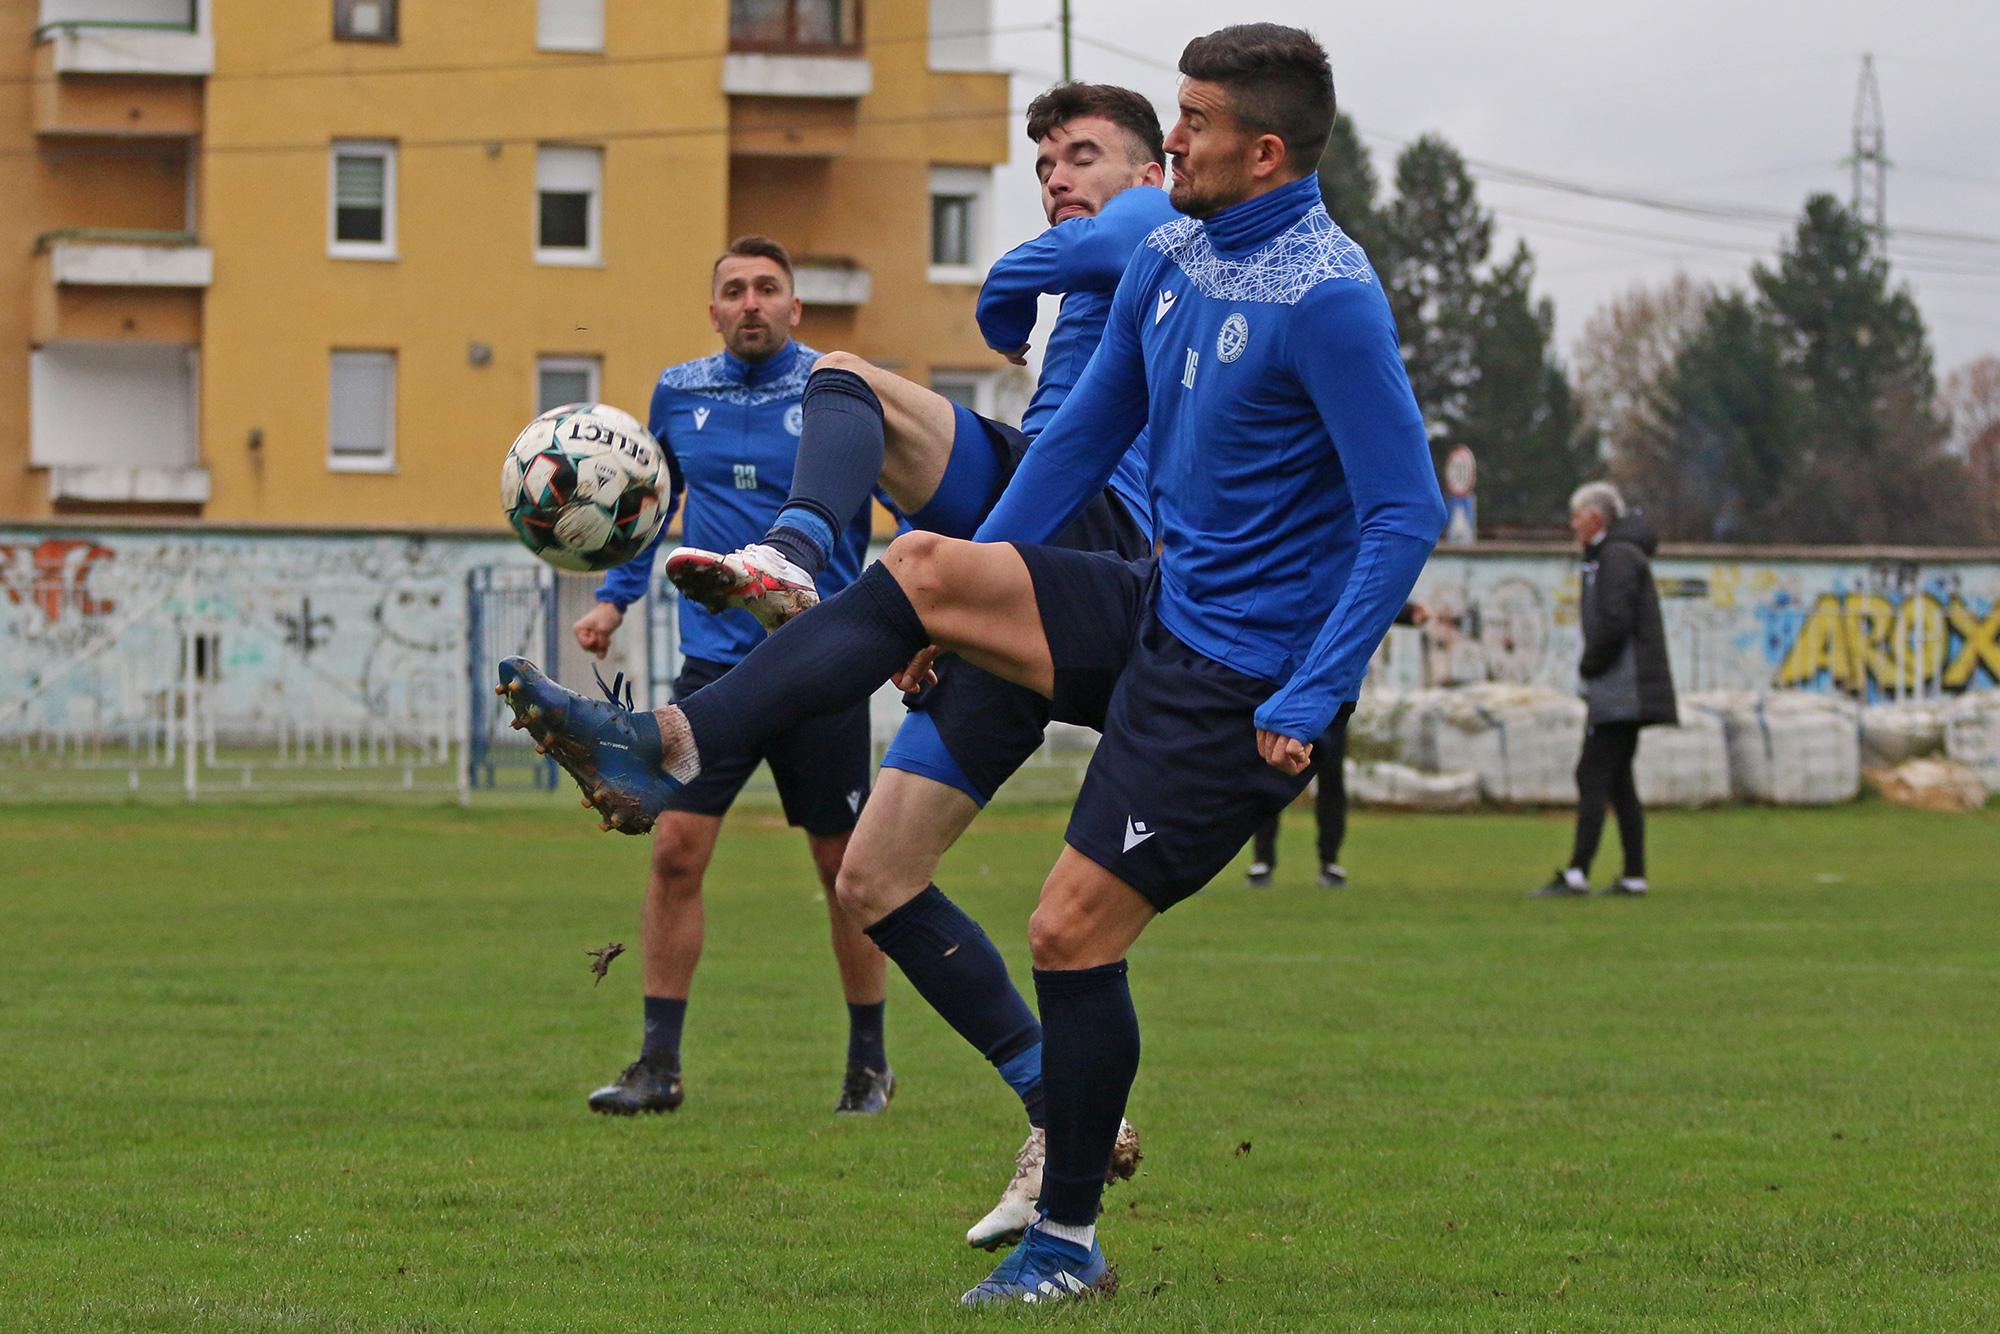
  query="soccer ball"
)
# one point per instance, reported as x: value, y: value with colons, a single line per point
x: 582, y: 487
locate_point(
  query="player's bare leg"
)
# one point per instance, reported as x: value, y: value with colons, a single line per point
x: 864, y: 427
x: 869, y: 1083
x: 670, y: 935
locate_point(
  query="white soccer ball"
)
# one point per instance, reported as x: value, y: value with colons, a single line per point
x: 582, y: 487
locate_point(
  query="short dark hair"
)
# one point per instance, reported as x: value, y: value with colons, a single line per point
x: 1278, y: 80
x: 1129, y: 111
x: 756, y: 247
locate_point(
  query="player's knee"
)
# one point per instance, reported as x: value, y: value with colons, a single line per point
x: 1056, y: 938
x: 844, y: 361
x: 677, y: 867
x: 916, y: 559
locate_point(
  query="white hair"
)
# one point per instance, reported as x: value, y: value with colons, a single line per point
x: 1600, y: 496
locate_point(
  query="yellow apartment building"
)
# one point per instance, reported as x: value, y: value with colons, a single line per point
x: 316, y: 262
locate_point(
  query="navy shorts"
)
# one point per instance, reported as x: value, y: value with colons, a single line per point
x: 972, y: 730
x: 1176, y: 787
x: 821, y: 766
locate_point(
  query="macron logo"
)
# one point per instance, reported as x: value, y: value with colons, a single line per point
x: 1136, y: 833
x: 1164, y: 304
x: 701, y: 417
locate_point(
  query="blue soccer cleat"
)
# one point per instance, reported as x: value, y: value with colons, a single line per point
x: 611, y: 750
x: 1045, y: 1269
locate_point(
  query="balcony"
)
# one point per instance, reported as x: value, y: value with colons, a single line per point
x: 832, y: 282
x: 115, y: 423
x: 126, y: 37
x: 796, y: 49
x: 107, y: 257
x: 118, y: 287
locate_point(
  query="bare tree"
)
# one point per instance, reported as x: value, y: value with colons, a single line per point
x: 1971, y: 397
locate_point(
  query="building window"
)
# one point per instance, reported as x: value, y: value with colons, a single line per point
x: 959, y: 199
x: 968, y: 389
x: 801, y: 26
x: 563, y: 380
x: 569, y: 187
x: 364, y: 20
x: 569, y: 25
x: 361, y: 415
x: 361, y: 217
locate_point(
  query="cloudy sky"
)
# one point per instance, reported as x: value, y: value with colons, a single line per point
x: 1746, y: 104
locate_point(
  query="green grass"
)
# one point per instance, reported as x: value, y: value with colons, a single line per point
x: 323, y: 1069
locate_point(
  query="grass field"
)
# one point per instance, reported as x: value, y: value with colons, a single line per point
x: 323, y: 1069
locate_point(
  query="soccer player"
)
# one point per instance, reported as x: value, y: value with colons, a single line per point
x: 1291, y: 482
x: 1100, y: 161
x: 729, y: 426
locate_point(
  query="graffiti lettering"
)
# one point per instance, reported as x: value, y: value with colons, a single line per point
x: 1865, y: 642
x: 54, y: 575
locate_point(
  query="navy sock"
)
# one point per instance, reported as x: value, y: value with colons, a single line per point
x: 840, y: 457
x: 1090, y: 1055
x: 820, y: 663
x: 954, y: 966
x: 662, y: 1043
x: 864, y: 1036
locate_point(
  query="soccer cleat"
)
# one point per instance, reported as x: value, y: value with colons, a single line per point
x: 865, y: 1092
x: 1333, y: 876
x: 1045, y: 1269
x: 1629, y: 886
x: 644, y: 1087
x: 757, y: 579
x: 1568, y: 883
x: 611, y: 750
x: 1258, y: 876
x: 1005, y: 1223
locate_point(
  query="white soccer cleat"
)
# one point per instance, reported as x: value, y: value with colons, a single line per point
x: 1005, y: 1223
x: 757, y: 579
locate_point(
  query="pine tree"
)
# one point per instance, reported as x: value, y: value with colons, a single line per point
x: 1440, y: 240
x: 1348, y: 185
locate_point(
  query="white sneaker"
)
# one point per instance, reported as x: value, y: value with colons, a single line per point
x: 1018, y: 1206
x: 757, y: 579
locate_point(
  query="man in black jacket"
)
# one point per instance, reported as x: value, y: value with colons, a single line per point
x: 1626, y: 681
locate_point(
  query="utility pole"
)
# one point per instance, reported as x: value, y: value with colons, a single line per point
x: 1065, y: 40
x: 1870, y: 199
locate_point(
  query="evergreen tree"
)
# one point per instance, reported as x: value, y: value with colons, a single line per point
x: 1520, y: 417
x: 1873, y: 468
x: 1348, y: 185
x: 1441, y: 238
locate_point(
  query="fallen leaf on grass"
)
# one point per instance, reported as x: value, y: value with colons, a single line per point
x: 1243, y: 1148
x: 601, y: 959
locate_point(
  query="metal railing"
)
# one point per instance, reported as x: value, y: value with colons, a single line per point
x: 796, y: 27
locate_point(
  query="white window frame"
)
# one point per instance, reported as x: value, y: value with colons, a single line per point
x: 975, y: 183
x: 560, y: 168
x: 377, y: 250
x: 983, y: 387
x: 592, y: 368
x: 348, y: 33
x: 569, y: 25
x: 385, y: 459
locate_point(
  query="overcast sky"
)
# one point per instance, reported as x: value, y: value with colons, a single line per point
x: 1736, y: 102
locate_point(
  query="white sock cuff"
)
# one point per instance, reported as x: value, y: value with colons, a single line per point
x: 1084, y: 1235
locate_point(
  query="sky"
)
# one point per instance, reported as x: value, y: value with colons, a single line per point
x: 1748, y: 104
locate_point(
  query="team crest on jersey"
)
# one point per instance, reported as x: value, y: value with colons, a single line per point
x: 1233, y: 337
x: 795, y: 419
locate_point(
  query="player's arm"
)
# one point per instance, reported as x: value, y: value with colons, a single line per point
x: 1078, y: 451
x: 1078, y: 255
x: 625, y: 584
x: 1342, y: 344
x: 1617, y: 594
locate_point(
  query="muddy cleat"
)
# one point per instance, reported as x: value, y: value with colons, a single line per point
x: 1005, y: 1223
x: 611, y: 750
x: 757, y: 579
x: 1045, y: 1269
x: 644, y: 1087
x: 865, y: 1092
x: 1568, y: 883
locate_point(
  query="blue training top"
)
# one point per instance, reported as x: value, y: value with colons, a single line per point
x: 730, y: 429
x: 1292, y: 478
x: 1080, y: 259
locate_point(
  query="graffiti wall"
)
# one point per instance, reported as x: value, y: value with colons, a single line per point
x: 99, y: 630
x: 1870, y: 629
